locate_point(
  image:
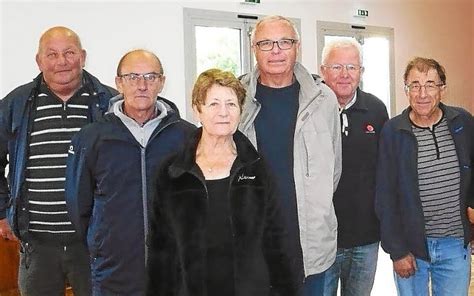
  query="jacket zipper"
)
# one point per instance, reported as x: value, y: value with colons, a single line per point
x: 144, y: 182
x: 144, y: 196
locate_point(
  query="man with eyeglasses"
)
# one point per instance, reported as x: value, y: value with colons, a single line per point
x: 424, y: 187
x: 292, y: 119
x: 109, y: 167
x: 362, y: 117
x: 37, y: 122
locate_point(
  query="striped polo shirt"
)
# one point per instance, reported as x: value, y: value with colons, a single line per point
x: 439, y: 180
x: 54, y: 123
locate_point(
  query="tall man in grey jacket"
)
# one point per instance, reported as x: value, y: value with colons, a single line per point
x: 37, y: 122
x: 293, y: 121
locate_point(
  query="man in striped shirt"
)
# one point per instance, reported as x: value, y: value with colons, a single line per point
x: 37, y: 122
x: 424, y: 187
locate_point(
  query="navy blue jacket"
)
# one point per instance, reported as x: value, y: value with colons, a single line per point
x: 397, y: 202
x: 15, y: 124
x: 107, y: 195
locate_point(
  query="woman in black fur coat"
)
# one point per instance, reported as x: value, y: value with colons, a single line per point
x: 216, y: 225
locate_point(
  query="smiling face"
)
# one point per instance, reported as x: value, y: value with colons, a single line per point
x: 276, y: 63
x: 220, y: 113
x: 425, y: 103
x: 140, y: 95
x: 61, y: 59
x: 343, y: 83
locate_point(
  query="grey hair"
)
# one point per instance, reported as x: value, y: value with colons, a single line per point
x: 340, y: 43
x: 273, y: 18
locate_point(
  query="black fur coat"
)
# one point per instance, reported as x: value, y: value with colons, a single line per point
x: 177, y: 242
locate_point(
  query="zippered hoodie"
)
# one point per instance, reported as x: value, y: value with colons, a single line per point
x: 317, y: 163
x: 108, y: 196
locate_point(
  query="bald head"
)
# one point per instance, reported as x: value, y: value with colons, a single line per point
x: 138, y: 53
x: 58, y: 32
x: 139, y: 94
x: 61, y: 58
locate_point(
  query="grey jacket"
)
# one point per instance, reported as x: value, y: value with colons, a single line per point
x: 317, y: 163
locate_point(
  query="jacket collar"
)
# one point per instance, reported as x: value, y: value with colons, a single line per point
x: 304, y: 78
x: 361, y: 102
x: 309, y: 95
x: 186, y: 160
x: 163, y: 102
x: 88, y: 80
x: 405, y: 123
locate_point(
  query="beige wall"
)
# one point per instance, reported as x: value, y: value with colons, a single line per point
x: 442, y: 30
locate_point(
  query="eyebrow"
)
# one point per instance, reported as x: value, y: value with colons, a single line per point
x: 417, y: 81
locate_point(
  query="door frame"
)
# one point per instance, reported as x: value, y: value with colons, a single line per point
x: 359, y: 32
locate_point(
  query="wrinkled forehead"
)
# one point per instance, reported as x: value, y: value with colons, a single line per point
x: 59, y: 39
x: 140, y: 63
x: 272, y: 29
x: 422, y: 74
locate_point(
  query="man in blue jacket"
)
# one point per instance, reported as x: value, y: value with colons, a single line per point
x: 37, y: 122
x: 424, y: 187
x: 109, y: 167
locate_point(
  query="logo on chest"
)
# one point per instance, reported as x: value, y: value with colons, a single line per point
x: 369, y: 129
x: 243, y: 177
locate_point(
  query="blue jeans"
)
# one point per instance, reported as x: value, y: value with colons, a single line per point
x: 314, y: 284
x: 449, y: 270
x: 356, y: 269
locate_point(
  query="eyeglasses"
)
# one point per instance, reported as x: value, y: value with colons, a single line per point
x: 415, y: 87
x: 337, y: 68
x: 133, y: 78
x: 283, y: 44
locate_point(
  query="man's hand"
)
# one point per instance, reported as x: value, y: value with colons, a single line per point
x: 5, y: 231
x: 470, y: 214
x: 406, y: 266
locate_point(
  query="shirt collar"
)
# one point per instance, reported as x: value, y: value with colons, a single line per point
x: 349, y: 104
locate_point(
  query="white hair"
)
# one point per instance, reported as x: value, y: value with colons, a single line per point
x: 340, y: 42
x: 273, y: 18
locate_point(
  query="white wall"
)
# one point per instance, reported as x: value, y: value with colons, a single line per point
x: 108, y: 29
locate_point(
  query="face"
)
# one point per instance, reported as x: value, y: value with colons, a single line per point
x: 276, y: 61
x: 425, y: 104
x: 220, y: 113
x: 140, y: 95
x: 61, y: 60
x: 343, y: 83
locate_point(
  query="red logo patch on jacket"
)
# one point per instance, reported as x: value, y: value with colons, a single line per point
x: 369, y: 129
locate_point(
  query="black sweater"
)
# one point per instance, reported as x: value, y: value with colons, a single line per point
x: 355, y: 194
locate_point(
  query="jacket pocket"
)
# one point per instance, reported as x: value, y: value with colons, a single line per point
x: 317, y: 155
